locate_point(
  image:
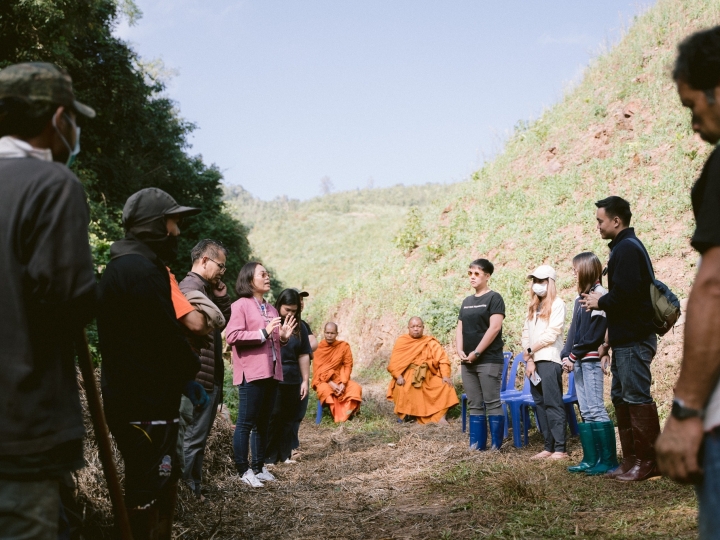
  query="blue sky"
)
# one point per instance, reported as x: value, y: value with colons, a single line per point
x: 376, y: 92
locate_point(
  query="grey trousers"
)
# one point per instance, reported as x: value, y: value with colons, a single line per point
x: 481, y: 383
x: 550, y: 407
x: 29, y: 510
x: 196, y: 436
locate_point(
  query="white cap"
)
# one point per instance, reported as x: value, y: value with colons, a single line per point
x: 543, y: 272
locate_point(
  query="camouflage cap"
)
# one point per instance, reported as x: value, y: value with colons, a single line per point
x: 40, y: 81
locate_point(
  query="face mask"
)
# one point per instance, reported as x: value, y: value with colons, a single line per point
x: 73, y: 151
x: 540, y: 289
x: 166, y: 248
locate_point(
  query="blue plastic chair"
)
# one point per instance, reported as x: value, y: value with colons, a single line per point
x: 507, y: 356
x: 519, y: 410
x: 318, y: 416
x: 570, y: 399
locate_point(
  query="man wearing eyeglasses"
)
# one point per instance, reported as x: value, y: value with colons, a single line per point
x: 205, y: 277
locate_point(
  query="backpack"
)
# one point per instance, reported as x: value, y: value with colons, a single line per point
x: 666, y: 305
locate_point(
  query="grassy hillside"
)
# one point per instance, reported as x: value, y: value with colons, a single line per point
x: 620, y: 131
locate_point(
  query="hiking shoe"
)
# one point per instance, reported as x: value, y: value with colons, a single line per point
x: 289, y: 461
x: 265, y: 475
x: 251, y: 480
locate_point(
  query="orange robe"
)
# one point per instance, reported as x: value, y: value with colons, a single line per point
x: 334, y: 363
x: 423, y: 363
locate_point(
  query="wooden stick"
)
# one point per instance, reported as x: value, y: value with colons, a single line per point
x: 102, y: 436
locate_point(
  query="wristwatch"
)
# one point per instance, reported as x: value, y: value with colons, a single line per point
x: 265, y: 333
x: 529, y: 350
x: 681, y: 412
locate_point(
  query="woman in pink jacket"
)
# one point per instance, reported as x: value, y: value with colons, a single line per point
x: 255, y: 333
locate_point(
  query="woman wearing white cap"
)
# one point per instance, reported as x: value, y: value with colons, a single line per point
x: 542, y: 341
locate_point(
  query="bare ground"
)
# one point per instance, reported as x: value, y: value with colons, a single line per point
x: 374, y: 478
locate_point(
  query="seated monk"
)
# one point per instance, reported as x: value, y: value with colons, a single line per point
x: 331, y: 377
x: 421, y: 385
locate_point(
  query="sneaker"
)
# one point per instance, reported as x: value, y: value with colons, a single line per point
x: 289, y: 461
x: 251, y: 480
x: 265, y: 475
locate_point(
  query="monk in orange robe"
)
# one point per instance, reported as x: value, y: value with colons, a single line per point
x: 333, y: 365
x: 421, y: 385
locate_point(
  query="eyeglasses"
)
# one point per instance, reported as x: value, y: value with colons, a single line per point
x: 221, y: 266
x: 474, y: 273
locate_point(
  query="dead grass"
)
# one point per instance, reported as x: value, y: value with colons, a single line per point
x: 375, y: 478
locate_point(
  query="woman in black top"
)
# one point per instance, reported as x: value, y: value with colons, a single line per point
x: 479, y: 343
x: 293, y: 389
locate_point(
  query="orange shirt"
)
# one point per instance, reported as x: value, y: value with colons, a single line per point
x: 180, y: 303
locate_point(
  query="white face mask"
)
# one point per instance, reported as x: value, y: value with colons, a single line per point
x: 540, y: 289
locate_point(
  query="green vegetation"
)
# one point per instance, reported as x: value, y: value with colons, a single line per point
x: 621, y: 131
x: 137, y: 139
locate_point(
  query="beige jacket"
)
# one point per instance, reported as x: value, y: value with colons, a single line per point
x: 546, y: 337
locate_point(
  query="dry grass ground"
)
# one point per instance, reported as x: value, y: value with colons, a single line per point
x: 375, y: 478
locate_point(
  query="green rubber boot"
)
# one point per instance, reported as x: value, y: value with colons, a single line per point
x: 605, y: 433
x: 589, y: 446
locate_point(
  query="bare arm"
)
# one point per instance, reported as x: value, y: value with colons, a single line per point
x: 679, y: 444
x: 196, y: 323
x: 313, y: 342
x: 459, y: 341
x: 304, y: 363
x: 493, y: 330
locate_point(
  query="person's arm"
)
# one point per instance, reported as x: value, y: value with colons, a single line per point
x: 444, y: 365
x: 592, y: 339
x: 222, y: 300
x: 196, y: 323
x: 459, y: 341
x: 492, y: 332
x: 237, y: 332
x: 628, y: 287
x: 313, y: 342
x: 679, y: 445
x: 347, y: 366
x: 304, y: 364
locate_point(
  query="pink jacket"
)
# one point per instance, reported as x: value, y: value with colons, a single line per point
x: 251, y: 357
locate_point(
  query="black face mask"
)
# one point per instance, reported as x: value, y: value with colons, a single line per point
x: 166, y: 248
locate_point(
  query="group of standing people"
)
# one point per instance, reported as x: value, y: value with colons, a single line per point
x: 619, y: 319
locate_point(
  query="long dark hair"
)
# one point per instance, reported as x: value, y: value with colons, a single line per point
x: 290, y: 297
x: 243, y: 285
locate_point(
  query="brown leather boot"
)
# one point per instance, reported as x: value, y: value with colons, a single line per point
x: 627, y: 444
x: 144, y: 523
x: 646, y: 429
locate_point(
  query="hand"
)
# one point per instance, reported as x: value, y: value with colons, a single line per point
x: 590, y: 301
x: 303, y: 389
x: 336, y: 388
x: 677, y: 450
x: 603, y: 350
x: 605, y: 364
x: 341, y: 387
x: 448, y: 381
x: 220, y: 289
x: 196, y: 394
x: 288, y: 327
x: 529, y: 368
x: 400, y: 380
x: 462, y: 355
x: 272, y: 325
x: 567, y: 365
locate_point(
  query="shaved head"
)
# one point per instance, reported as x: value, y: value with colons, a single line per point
x: 331, y: 332
x: 416, y: 327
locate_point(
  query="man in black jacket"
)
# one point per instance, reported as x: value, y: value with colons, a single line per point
x: 631, y: 334
x: 208, y: 258
x: 47, y: 295
x: 147, y: 362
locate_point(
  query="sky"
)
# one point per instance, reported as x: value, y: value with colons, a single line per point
x: 367, y: 93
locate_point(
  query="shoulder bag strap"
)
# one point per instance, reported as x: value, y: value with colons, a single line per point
x: 647, y: 257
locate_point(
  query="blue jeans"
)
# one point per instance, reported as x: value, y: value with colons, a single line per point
x: 589, y: 389
x: 708, y: 491
x: 631, y: 376
x: 255, y: 405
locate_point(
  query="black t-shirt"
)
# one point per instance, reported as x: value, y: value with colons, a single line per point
x: 295, y: 347
x: 475, y: 313
x: 705, y: 197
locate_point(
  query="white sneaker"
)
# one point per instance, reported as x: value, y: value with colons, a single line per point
x: 251, y: 480
x: 289, y: 461
x: 265, y: 475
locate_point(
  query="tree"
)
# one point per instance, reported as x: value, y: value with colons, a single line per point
x: 137, y: 139
x: 326, y: 185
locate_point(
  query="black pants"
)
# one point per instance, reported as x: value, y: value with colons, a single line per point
x: 550, y: 407
x: 282, y: 422
x: 255, y: 405
x: 298, y: 419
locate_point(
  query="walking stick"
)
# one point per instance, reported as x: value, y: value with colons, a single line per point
x: 102, y: 436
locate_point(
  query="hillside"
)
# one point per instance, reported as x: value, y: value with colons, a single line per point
x: 620, y: 131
